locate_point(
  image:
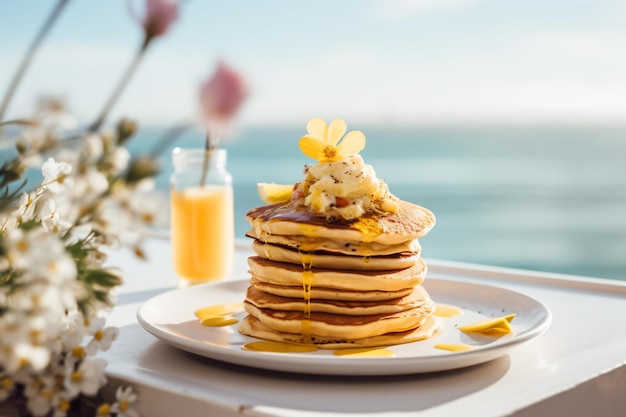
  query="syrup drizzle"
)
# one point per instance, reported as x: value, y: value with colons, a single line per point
x: 447, y: 310
x: 278, y: 347
x: 218, y: 315
x: 306, y: 259
x: 365, y: 352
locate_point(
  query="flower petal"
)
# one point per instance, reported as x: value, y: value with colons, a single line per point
x: 317, y: 128
x: 312, y: 147
x: 336, y: 130
x: 352, y: 143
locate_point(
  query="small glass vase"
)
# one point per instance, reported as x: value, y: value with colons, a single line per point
x: 202, y: 216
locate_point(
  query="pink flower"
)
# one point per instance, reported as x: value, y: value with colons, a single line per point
x: 160, y: 14
x: 222, y: 95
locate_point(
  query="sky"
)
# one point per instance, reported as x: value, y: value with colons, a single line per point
x: 420, y: 62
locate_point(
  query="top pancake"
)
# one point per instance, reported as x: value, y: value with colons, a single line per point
x: 410, y: 222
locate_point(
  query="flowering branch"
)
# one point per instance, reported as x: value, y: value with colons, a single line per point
x: 54, y: 285
x: 30, y: 54
x: 160, y: 14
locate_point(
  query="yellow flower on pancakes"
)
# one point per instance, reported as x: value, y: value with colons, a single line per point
x: 327, y: 143
x: 340, y: 185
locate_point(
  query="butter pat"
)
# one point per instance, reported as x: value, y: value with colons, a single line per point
x: 494, y: 327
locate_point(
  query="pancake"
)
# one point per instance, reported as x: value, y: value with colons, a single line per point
x: 339, y: 326
x: 410, y: 222
x: 251, y: 326
x: 290, y: 275
x: 346, y: 247
x: 322, y: 293
x: 261, y: 299
x: 329, y: 260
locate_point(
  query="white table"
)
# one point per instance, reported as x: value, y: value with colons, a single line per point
x: 576, y: 368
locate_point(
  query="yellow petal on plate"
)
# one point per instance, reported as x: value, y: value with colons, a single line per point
x: 317, y: 128
x: 460, y: 347
x: 272, y: 193
x: 336, y: 130
x: 494, y: 327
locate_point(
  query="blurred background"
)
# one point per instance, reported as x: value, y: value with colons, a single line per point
x: 506, y: 119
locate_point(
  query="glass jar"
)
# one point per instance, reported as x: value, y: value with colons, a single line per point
x: 202, y: 221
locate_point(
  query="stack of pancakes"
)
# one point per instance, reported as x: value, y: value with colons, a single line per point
x: 338, y: 284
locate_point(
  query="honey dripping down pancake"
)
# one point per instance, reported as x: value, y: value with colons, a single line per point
x: 338, y: 264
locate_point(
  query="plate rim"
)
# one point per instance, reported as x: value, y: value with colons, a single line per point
x: 353, y: 366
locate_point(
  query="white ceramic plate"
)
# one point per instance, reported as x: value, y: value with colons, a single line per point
x: 170, y: 317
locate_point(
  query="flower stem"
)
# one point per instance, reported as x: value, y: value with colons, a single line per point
x: 121, y: 85
x: 30, y: 54
x: 209, y: 147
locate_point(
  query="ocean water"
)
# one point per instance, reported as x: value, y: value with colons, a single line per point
x: 540, y: 198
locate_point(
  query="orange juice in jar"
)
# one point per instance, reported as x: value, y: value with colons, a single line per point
x: 202, y: 216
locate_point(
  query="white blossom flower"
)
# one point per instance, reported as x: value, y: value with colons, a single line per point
x: 56, y: 174
x: 26, y: 209
x: 37, y: 357
x: 126, y: 398
x: 7, y: 385
x: 102, y: 340
x: 74, y: 356
x: 94, y: 324
x: 42, y: 403
x: 92, y: 147
x: 74, y: 331
x: 96, y: 183
x: 117, y: 161
x: 51, y: 221
x: 113, y: 222
x: 149, y: 208
x: 20, y: 249
x: 40, y: 392
x: 103, y: 410
x: 52, y: 261
x: 61, y: 404
x: 88, y: 187
x: 87, y: 379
